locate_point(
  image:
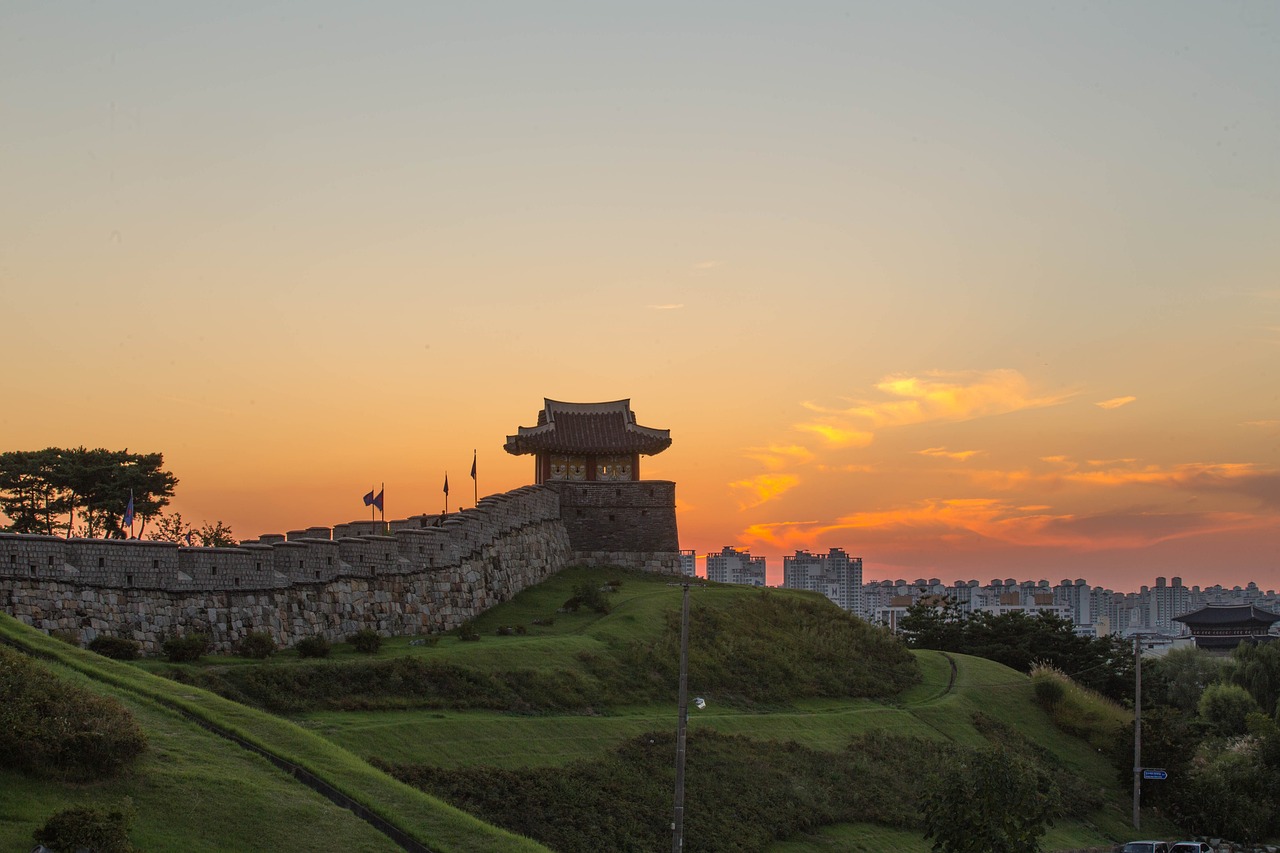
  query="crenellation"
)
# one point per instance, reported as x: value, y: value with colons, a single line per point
x: 418, y: 575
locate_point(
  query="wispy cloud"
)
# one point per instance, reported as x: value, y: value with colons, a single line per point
x: 932, y: 396
x: 837, y: 435
x: 1115, y: 402
x: 775, y: 457
x: 982, y: 523
x: 943, y: 453
x: 668, y: 307
x: 1242, y: 478
x: 707, y: 265
x: 1261, y: 424
x: 763, y: 488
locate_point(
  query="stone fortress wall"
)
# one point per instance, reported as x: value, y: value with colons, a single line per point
x: 411, y: 576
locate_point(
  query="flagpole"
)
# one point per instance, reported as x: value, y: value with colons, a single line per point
x: 373, y: 513
x: 475, y: 481
x: 383, y: 509
x: 446, y: 492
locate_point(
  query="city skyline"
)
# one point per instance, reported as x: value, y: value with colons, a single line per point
x: 969, y: 291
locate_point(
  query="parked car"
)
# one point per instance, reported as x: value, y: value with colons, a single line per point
x: 1191, y: 847
x: 1145, y: 847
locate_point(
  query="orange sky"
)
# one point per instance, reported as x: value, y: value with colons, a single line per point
x: 974, y: 293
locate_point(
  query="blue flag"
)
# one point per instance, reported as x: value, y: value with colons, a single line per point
x: 377, y: 502
x: 473, y: 464
x: 128, y: 510
x: 368, y: 499
x: 446, y: 484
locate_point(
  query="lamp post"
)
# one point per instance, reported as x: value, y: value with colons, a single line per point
x: 1137, y: 730
x: 677, y: 822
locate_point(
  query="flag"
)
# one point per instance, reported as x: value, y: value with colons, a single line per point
x: 473, y: 464
x: 128, y: 511
x: 377, y: 502
x: 446, y: 484
x: 188, y: 538
x: 368, y: 499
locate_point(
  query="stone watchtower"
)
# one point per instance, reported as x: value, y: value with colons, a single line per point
x: 590, y: 454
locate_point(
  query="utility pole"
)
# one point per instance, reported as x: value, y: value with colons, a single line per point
x: 677, y: 823
x: 1137, y: 729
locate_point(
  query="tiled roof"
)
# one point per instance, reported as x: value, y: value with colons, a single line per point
x: 588, y: 428
x: 1228, y: 614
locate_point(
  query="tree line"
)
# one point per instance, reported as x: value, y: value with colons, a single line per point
x: 1019, y: 641
x: 86, y: 492
x: 81, y: 491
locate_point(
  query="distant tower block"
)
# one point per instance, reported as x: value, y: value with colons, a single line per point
x: 587, y: 442
x: 590, y: 454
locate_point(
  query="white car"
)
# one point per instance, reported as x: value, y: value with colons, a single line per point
x: 1191, y: 847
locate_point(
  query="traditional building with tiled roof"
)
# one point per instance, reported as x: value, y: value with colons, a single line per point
x: 1225, y: 626
x: 587, y: 442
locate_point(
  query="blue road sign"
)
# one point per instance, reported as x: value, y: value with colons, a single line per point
x: 1154, y: 773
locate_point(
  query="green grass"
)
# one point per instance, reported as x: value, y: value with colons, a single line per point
x: 591, y: 650
x: 192, y: 790
x: 870, y: 838
x: 440, y: 826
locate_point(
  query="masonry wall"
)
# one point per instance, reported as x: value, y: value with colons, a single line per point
x: 621, y: 523
x: 426, y: 576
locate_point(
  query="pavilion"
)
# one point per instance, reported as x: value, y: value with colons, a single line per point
x: 1222, y: 627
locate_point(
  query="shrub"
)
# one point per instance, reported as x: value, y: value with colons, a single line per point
x: 186, y: 648
x: 257, y: 644
x: 116, y: 648
x: 467, y: 632
x: 505, y: 631
x: 546, y: 622
x: 1049, y: 690
x: 312, y: 647
x: 365, y: 640
x: 52, y: 727
x: 590, y: 596
x: 87, y: 828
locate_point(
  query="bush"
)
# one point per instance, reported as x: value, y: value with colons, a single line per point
x: 87, y: 828
x: 467, y: 632
x: 52, y: 727
x: 258, y: 645
x: 365, y: 640
x: 116, y: 648
x: 590, y: 596
x: 1049, y: 690
x: 312, y: 647
x: 183, y: 649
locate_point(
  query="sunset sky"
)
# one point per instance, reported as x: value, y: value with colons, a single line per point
x: 972, y: 290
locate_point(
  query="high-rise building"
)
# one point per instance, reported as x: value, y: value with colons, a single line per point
x: 688, y: 562
x: 734, y: 566
x: 834, y: 574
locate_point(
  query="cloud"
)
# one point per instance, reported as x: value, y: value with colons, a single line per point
x: 1115, y: 402
x: 763, y: 488
x: 933, y: 396
x: 707, y: 265
x: 669, y: 307
x: 1261, y: 424
x: 778, y: 456
x: 1242, y: 478
x: 838, y: 436
x: 942, y: 452
x: 956, y: 524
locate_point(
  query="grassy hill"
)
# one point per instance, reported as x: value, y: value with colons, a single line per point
x: 806, y: 706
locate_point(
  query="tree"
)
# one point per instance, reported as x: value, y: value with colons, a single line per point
x: 216, y: 535
x: 38, y: 488
x: 1178, y: 678
x: 1225, y: 709
x: 1020, y: 641
x: 1256, y: 668
x: 171, y: 528
x: 990, y: 801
